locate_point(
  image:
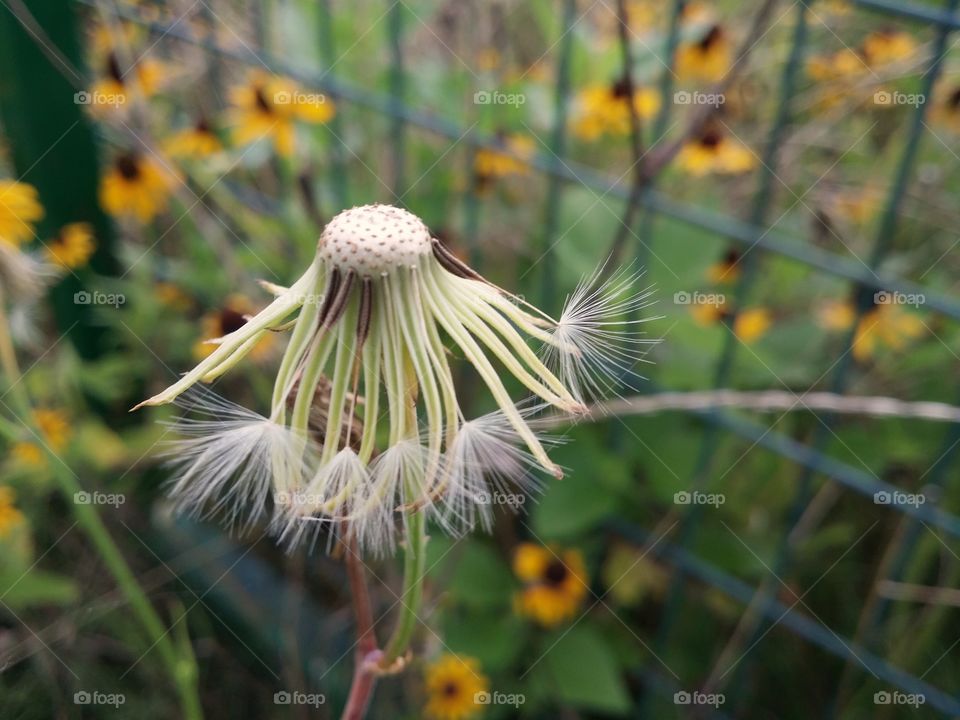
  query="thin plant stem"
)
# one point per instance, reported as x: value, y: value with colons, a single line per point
x: 181, y: 665
x: 413, y: 571
x: 364, y: 678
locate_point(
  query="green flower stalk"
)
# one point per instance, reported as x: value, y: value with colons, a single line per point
x: 377, y: 314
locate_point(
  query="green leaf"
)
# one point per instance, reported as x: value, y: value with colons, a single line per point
x: 37, y: 588
x: 582, y: 671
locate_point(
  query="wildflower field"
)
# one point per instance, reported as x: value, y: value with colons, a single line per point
x: 493, y: 359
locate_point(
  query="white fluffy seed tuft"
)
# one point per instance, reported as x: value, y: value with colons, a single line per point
x: 594, y: 348
x: 230, y: 464
x: 372, y: 240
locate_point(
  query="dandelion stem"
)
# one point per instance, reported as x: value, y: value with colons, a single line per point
x: 414, y: 563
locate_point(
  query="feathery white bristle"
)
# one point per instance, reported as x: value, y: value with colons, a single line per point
x: 484, y: 466
x: 229, y: 464
x: 396, y: 481
x: 594, y: 348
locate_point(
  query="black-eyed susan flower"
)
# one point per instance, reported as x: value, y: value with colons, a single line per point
x: 54, y: 429
x: 11, y: 517
x: 727, y: 269
x: 713, y: 152
x: 270, y: 106
x: 836, y: 315
x: 172, y: 296
x: 844, y: 64
x: 136, y: 186
x: 378, y: 308
x: 885, y: 325
x: 199, y: 141
x: 488, y: 165
x: 946, y: 109
x: 888, y: 46
x: 225, y: 320
x: 554, y: 583
x: 706, y: 60
x: 117, y: 88
x: 73, y: 245
x: 605, y: 109
x: 455, y: 687
x: 20, y: 210
x: 751, y: 324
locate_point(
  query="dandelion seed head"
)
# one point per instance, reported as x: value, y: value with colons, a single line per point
x: 372, y: 240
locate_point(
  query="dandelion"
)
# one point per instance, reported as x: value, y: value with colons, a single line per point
x: 454, y: 685
x: 269, y: 106
x: 605, y: 109
x: 715, y: 153
x: 555, y: 583
x: 199, y: 141
x: 377, y: 314
x: 708, y: 59
x: 73, y: 246
x: 10, y: 516
x: 136, y: 186
x: 20, y: 210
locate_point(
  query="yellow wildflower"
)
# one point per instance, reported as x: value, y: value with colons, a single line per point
x: 73, y: 246
x: 20, y: 209
x: 137, y: 186
x: 10, y: 516
x: 604, y: 110
x: 555, y: 583
x: 707, y: 60
x: 714, y: 152
x: 454, y: 687
x: 268, y: 106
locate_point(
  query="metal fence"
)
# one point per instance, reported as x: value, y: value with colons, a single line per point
x: 752, y: 232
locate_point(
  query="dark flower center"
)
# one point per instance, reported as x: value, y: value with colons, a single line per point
x: 263, y: 104
x: 231, y: 320
x: 555, y: 573
x: 451, y: 689
x: 711, y: 39
x: 129, y: 166
x: 953, y: 102
x: 622, y: 89
x: 711, y: 139
x: 113, y: 68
